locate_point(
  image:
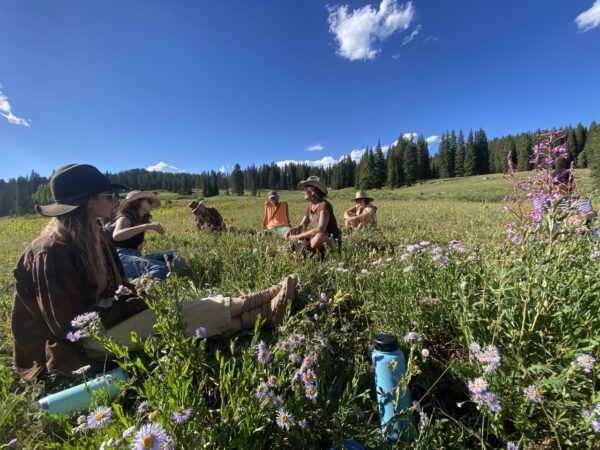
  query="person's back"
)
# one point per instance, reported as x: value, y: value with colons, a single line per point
x: 206, y: 217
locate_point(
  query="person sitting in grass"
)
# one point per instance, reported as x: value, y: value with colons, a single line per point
x: 361, y: 215
x: 318, y: 227
x: 207, y: 218
x: 577, y: 211
x: 128, y: 231
x: 71, y: 274
x: 276, y: 218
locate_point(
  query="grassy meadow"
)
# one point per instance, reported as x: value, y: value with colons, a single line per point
x: 440, y: 272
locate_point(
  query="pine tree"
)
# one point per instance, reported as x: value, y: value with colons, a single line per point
x: 410, y: 163
x: 482, y: 152
x: 443, y: 163
x: 470, y: 166
x: 524, y: 150
x: 379, y: 167
x: 423, y: 158
x: 452, y: 144
x: 460, y: 155
x: 592, y: 151
x: 237, y: 180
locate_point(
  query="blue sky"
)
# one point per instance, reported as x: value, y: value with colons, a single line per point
x: 201, y: 85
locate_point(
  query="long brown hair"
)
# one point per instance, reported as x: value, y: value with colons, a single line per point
x: 82, y: 231
x: 130, y: 210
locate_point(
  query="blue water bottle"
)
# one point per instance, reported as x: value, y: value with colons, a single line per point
x: 390, y: 367
x: 77, y: 398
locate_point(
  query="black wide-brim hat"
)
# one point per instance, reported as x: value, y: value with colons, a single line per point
x: 72, y: 185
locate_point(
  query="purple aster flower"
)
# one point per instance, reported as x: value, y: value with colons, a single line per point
x: 74, y: 336
x: 586, y: 362
x: 534, y: 394
x: 492, y: 402
x: 200, y: 333
x: 510, y: 445
x: 585, y: 413
x: 323, y: 297
x: 82, y: 370
x: 309, y: 377
x: 150, y: 436
x: 284, y: 419
x: 274, y: 401
x: 296, y: 339
x: 408, y: 269
x: 404, y: 257
x: 181, y: 415
x: 311, y: 391
x: 597, y: 408
x: 478, y: 385
x: 262, y: 391
x: 98, y: 417
x: 474, y: 350
x: 505, y: 209
x: 302, y: 424
x: 509, y: 227
x: 143, y: 407
x: 128, y: 432
x: 596, y: 425
x: 595, y: 256
x: 491, y: 357
x: 477, y: 398
x: 307, y: 362
x: 413, y: 336
x: 263, y: 353
x: 82, y: 320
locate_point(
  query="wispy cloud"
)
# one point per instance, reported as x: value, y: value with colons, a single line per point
x: 431, y: 38
x: 358, y: 32
x: 6, y: 111
x: 589, y: 19
x: 433, y: 139
x: 327, y: 161
x: 410, y: 136
x: 163, y: 167
x: 315, y: 148
x: 411, y: 36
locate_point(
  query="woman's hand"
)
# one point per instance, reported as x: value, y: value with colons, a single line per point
x: 156, y: 226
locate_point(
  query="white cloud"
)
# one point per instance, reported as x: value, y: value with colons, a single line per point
x: 222, y: 169
x: 163, y: 167
x: 410, y: 136
x: 358, y: 32
x: 433, y: 139
x: 6, y: 111
x: 589, y: 19
x: 412, y: 35
x: 315, y: 148
x: 355, y: 155
x: 396, y: 56
x: 327, y: 161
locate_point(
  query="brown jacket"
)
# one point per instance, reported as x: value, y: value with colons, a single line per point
x: 209, y: 218
x: 52, y: 287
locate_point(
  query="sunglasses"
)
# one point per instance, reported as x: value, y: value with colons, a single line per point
x: 110, y: 196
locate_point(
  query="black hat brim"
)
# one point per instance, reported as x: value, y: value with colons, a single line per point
x: 59, y: 209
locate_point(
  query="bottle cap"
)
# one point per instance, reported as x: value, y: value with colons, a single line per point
x: 43, y: 404
x: 386, y: 342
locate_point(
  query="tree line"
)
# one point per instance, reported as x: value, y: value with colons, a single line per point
x: 403, y: 163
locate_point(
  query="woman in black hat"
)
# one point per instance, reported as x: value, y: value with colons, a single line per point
x: 72, y: 270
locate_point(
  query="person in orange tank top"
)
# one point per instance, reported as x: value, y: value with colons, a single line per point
x: 276, y: 218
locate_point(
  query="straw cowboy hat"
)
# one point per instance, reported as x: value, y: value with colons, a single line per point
x: 72, y: 185
x: 315, y: 182
x: 362, y: 195
x: 138, y: 195
x: 195, y: 205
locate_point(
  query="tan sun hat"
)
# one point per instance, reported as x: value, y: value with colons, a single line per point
x: 362, y: 195
x: 315, y: 182
x: 195, y: 204
x: 138, y: 195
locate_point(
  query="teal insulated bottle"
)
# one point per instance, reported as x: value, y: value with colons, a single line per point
x: 77, y: 398
x: 390, y: 367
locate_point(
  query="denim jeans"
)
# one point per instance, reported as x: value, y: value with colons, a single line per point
x: 157, y: 265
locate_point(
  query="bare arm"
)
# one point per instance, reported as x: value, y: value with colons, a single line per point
x: 124, y: 230
x: 320, y: 228
x: 294, y: 233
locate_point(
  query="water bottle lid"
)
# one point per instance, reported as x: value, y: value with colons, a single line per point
x: 386, y: 342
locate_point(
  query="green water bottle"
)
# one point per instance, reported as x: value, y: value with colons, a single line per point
x: 77, y: 398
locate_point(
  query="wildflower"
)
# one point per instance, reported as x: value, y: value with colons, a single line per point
x: 408, y: 269
x: 311, y: 391
x: 492, y: 402
x: 11, y: 443
x: 284, y: 345
x: 122, y: 290
x: 294, y: 358
x: 98, y: 417
x: 82, y: 370
x: 478, y: 385
x: 596, y: 425
x: 200, y: 333
x: 585, y: 413
x: 284, y: 419
x: 143, y: 407
x: 597, y: 408
x: 423, y: 419
x: 516, y: 239
x: 510, y: 445
x: 263, y: 353
x: 491, y: 357
x: 323, y: 297
x: 302, y: 424
x: 274, y: 401
x: 425, y: 353
x: 169, y: 443
x: 534, y: 394
x: 296, y: 339
x: 307, y: 362
x: 150, y: 436
x: 413, y: 336
x: 474, y: 349
x: 586, y: 362
x: 128, y: 432
x: 341, y: 269
x: 309, y: 377
x: 262, y: 390
x: 424, y: 243
x: 441, y: 259
x: 509, y: 227
x: 404, y: 257
x: 182, y: 415
x: 74, y: 336
x: 595, y: 256
x: 364, y: 271
x: 272, y: 380
x: 82, y: 320
x: 505, y: 209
